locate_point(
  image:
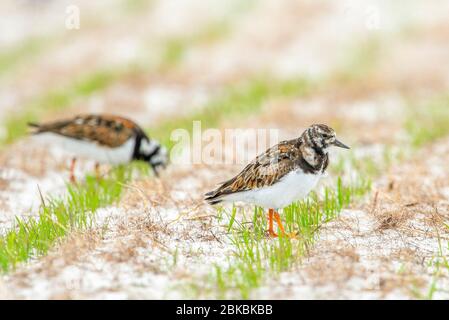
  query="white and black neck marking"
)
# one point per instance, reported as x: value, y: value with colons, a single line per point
x: 150, y: 151
x: 314, y: 144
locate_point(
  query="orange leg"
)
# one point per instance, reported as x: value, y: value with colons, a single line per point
x: 97, y: 171
x: 277, y: 218
x: 72, y: 171
x: 271, y: 232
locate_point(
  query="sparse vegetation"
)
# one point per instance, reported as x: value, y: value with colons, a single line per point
x: 23, y: 52
x: 44, y: 231
x: 235, y: 101
x: 34, y: 236
x: 175, y: 49
x: 428, y: 122
x: 258, y: 258
x: 56, y: 100
x: 391, y: 240
x: 361, y: 61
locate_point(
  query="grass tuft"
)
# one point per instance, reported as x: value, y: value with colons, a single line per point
x: 428, y: 122
x: 10, y: 59
x: 34, y: 236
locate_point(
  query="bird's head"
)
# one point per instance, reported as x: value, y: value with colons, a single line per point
x: 155, y: 154
x: 321, y: 136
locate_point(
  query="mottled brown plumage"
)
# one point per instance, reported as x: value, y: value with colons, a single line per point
x: 306, y: 153
x: 106, y: 130
x: 271, y: 166
x: 106, y: 138
x: 285, y: 173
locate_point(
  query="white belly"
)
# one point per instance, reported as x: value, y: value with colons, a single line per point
x: 89, y: 150
x: 293, y: 187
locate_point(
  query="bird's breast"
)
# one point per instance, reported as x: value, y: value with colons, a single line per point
x: 298, y: 184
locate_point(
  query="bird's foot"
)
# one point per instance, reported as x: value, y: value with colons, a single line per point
x: 72, y: 171
x: 290, y: 235
x: 97, y: 172
x: 272, y: 234
x: 72, y: 179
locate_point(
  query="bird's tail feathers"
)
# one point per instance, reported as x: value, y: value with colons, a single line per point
x: 34, y: 128
x: 213, y: 197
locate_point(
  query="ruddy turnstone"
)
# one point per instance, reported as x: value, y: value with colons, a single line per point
x: 285, y: 173
x: 106, y: 139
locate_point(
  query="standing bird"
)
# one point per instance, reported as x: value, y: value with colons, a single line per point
x: 106, y: 139
x: 285, y: 173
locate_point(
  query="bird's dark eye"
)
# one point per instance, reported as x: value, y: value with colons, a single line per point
x: 118, y: 127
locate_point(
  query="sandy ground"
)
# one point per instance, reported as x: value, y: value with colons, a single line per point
x: 386, y: 249
x: 162, y: 238
x: 160, y: 222
x: 390, y: 241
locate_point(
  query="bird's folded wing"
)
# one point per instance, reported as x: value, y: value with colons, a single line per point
x: 110, y: 132
x: 265, y: 170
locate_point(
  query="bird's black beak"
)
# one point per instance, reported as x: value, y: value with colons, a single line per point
x: 155, y: 170
x: 340, y: 144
